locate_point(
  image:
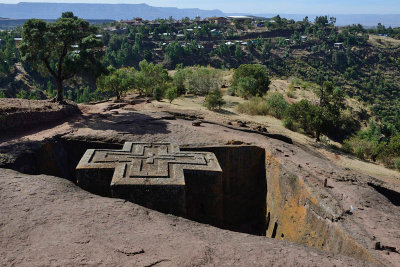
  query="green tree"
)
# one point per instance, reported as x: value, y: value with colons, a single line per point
x: 179, y: 79
x: 202, y: 80
x: 238, y: 52
x: 214, y: 99
x: 22, y: 94
x: 276, y: 105
x: 324, y: 118
x: 62, y: 49
x: 149, y: 77
x: 171, y: 94
x: 117, y: 81
x: 175, y: 52
x: 254, y: 74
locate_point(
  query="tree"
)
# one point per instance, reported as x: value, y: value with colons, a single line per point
x: 324, y: 118
x: 117, y: 81
x: 175, y: 52
x: 63, y: 49
x: 179, y: 79
x: 171, y: 94
x: 255, y: 75
x: 202, y: 80
x: 214, y: 99
x: 238, y: 52
x: 149, y: 77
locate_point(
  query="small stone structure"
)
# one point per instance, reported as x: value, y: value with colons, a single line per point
x: 158, y: 176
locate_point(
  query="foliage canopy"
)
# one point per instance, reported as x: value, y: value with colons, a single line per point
x: 62, y: 49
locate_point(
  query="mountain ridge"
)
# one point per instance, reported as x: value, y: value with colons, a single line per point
x: 43, y: 10
x: 46, y: 10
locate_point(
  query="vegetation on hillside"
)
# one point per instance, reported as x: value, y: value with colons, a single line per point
x: 335, y: 64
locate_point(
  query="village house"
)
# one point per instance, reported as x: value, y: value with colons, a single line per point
x: 219, y: 20
x: 134, y: 22
x: 199, y: 21
x: 17, y: 41
x: 240, y: 19
x: 338, y: 45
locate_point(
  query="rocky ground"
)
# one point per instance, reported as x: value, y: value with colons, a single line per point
x: 50, y: 221
x: 21, y: 115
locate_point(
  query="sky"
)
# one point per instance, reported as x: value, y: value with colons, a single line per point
x: 263, y: 6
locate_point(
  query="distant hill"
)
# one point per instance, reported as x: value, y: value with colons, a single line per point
x: 367, y: 20
x: 12, y: 23
x: 26, y: 10
x: 99, y: 11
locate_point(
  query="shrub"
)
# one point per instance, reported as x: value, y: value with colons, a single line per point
x: 290, y: 124
x: 255, y: 106
x: 397, y: 163
x: 291, y: 94
x: 158, y: 93
x: 22, y: 94
x: 214, y: 99
x: 231, y: 91
x: 303, y: 115
x: 171, y: 94
x: 179, y: 80
x: 276, y: 105
x: 202, y: 80
x: 2, y: 94
x: 246, y: 87
x: 251, y: 80
x: 149, y: 77
x: 117, y: 81
x: 361, y: 148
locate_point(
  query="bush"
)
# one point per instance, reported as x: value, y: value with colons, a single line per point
x: 397, y: 163
x: 214, y: 99
x: 117, y: 81
x: 290, y: 124
x: 251, y: 80
x: 22, y: 94
x: 246, y: 87
x: 255, y: 106
x: 303, y: 115
x: 158, y: 93
x: 179, y: 80
x: 171, y: 94
x: 2, y: 94
x: 276, y: 105
x: 231, y: 91
x: 361, y: 148
x: 202, y: 80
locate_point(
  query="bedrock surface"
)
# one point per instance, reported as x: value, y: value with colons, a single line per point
x: 49, y: 221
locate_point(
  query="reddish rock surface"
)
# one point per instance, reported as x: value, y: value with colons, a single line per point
x: 49, y: 221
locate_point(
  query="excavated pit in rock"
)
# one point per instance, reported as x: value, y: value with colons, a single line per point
x: 260, y: 196
x: 243, y: 189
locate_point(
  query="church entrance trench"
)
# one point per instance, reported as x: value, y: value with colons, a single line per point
x: 243, y: 179
x: 259, y: 195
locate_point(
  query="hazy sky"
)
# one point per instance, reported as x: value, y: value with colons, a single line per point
x: 265, y: 6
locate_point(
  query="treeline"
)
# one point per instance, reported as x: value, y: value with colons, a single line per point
x: 386, y: 31
x: 8, y: 54
x: 153, y: 80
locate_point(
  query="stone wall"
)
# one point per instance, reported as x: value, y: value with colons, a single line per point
x: 294, y: 213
